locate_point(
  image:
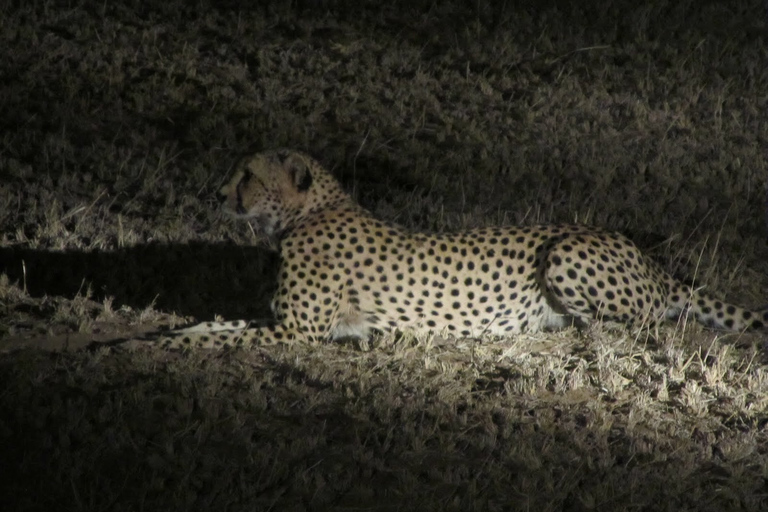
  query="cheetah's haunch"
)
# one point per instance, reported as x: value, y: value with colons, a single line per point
x: 345, y: 273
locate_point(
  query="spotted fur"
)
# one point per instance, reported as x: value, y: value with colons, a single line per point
x: 345, y: 273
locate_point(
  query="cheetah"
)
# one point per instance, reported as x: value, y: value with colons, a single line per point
x: 344, y: 273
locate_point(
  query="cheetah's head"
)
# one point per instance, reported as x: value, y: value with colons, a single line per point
x: 272, y: 188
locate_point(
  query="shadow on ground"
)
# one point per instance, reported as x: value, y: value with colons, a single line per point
x: 201, y: 280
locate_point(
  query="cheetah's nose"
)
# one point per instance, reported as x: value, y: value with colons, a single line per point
x: 221, y: 197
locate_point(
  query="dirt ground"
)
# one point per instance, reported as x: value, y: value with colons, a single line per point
x: 120, y: 121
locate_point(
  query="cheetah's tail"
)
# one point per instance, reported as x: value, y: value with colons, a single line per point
x: 712, y: 311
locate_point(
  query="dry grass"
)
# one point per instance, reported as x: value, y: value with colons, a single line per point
x: 120, y: 120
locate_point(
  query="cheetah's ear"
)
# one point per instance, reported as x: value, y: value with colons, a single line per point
x: 300, y: 173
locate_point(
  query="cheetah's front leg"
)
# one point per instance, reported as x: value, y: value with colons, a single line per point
x: 239, y: 333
